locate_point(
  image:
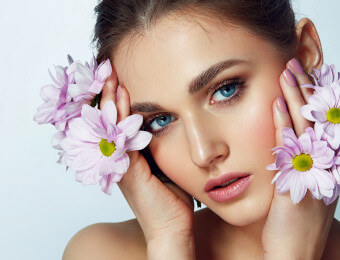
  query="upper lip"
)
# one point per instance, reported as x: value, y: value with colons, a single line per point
x: 223, y: 178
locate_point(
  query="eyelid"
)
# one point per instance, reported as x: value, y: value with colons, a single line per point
x: 147, y: 121
x: 212, y: 89
x: 235, y: 80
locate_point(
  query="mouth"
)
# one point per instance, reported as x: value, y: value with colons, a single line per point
x: 227, y: 186
x: 224, y: 180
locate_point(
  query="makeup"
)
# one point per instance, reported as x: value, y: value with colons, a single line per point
x: 289, y: 77
x: 227, y: 186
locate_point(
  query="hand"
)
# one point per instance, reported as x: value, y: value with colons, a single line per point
x: 165, y: 213
x: 295, y: 231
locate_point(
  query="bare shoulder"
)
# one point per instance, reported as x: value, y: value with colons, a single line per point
x: 332, y: 248
x: 124, y: 240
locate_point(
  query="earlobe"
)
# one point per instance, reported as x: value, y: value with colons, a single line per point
x: 309, y: 50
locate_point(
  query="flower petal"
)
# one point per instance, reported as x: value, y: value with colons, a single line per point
x: 110, y: 166
x: 57, y: 138
x: 49, y: 92
x: 283, y: 181
x: 139, y: 141
x: 306, y: 143
x: 306, y: 112
x: 80, y: 130
x: 323, y: 178
x: 106, y: 184
x: 298, y: 189
x: 84, y: 76
x: 91, y: 116
x: 311, y: 184
x: 131, y: 125
x: 109, y: 114
x: 86, y: 160
x: 104, y: 71
x: 319, y: 116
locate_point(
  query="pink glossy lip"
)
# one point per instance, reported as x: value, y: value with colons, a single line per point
x: 223, y: 178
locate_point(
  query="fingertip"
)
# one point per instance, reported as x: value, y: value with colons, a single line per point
x: 110, y: 83
x: 290, y: 78
x: 295, y: 66
x: 109, y: 90
x: 281, y: 104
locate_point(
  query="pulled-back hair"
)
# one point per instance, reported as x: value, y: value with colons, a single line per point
x: 273, y: 20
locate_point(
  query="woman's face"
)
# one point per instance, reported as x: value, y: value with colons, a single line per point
x: 225, y: 126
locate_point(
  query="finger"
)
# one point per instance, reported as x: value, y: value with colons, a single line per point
x: 281, y: 118
x: 181, y: 194
x: 136, y: 179
x: 294, y: 100
x: 123, y: 103
x: 109, y: 89
x: 301, y: 77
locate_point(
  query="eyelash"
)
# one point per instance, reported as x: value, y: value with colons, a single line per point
x: 240, y: 87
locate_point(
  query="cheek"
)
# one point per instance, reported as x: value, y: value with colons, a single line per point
x: 172, y: 158
x: 251, y: 140
x: 259, y: 126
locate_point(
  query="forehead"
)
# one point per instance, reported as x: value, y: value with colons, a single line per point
x: 173, y: 51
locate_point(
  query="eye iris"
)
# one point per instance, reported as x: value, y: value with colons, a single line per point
x: 228, y: 91
x: 163, y: 120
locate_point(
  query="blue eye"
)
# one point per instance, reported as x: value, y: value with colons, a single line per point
x: 161, y: 122
x: 225, y: 92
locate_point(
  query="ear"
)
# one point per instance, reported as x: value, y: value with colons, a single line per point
x: 309, y: 50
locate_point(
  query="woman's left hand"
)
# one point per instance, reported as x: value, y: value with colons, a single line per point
x: 295, y: 231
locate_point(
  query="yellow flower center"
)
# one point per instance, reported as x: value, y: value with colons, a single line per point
x: 107, y: 148
x: 333, y: 115
x: 303, y: 162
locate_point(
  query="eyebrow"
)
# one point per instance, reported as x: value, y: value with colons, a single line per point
x: 198, y: 83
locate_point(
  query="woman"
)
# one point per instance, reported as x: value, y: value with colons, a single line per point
x: 216, y: 81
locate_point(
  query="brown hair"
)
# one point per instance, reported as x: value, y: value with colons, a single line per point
x: 116, y: 19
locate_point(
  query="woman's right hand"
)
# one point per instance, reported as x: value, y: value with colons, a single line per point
x: 164, y: 212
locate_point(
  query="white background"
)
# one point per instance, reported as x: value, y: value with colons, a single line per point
x: 41, y: 205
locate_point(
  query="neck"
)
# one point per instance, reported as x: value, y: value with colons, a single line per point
x: 215, y: 237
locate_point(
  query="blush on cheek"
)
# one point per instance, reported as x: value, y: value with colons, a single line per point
x: 258, y: 130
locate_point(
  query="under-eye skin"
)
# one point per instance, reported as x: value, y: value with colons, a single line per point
x: 232, y: 90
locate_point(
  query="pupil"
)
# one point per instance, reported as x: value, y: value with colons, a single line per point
x: 227, y: 91
x: 163, y: 120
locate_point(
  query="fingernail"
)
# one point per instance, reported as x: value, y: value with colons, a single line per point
x: 119, y: 92
x: 295, y: 66
x: 281, y: 104
x: 289, y: 77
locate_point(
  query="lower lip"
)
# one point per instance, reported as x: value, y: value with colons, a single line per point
x: 230, y: 192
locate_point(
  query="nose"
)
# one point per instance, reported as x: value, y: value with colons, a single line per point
x: 207, y: 146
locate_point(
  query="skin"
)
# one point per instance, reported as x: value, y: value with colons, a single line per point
x: 206, y: 139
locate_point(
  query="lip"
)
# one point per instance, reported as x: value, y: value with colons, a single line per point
x: 231, y: 191
x: 223, y: 178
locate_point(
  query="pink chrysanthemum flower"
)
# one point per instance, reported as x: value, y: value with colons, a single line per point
x: 95, y: 147
x: 302, y: 164
x: 323, y: 108
x: 89, y: 79
x: 74, y: 86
